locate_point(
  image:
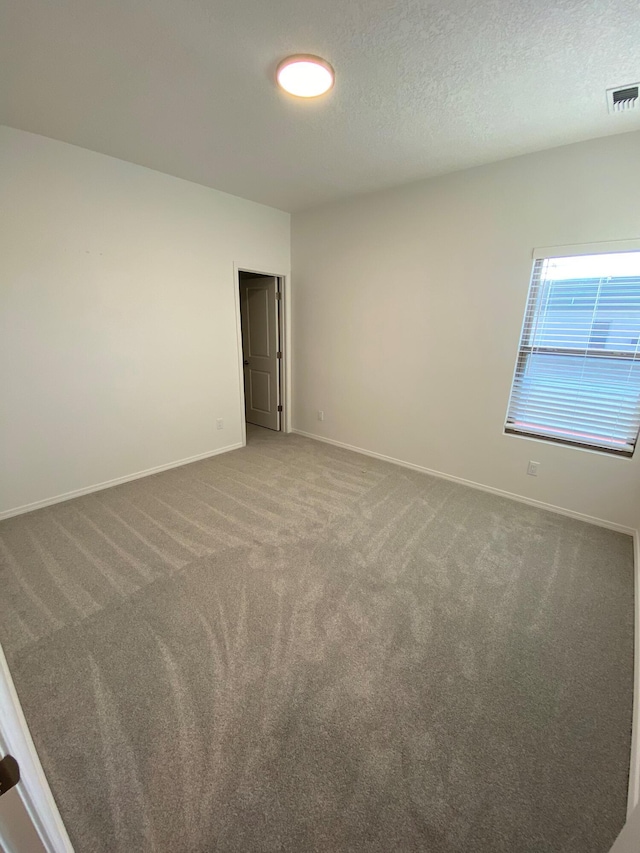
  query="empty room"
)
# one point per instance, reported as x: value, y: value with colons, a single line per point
x: 319, y: 413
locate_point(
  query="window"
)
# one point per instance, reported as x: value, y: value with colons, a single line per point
x: 577, y: 378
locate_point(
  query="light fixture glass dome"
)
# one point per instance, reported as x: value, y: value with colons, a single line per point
x: 305, y: 76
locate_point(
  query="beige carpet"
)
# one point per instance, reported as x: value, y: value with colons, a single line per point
x: 295, y: 648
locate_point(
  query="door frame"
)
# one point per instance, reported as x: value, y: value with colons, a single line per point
x: 284, y: 338
x: 33, y: 788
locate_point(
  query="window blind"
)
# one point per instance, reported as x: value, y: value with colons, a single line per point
x: 577, y: 377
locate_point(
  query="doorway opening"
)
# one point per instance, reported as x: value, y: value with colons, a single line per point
x: 262, y: 342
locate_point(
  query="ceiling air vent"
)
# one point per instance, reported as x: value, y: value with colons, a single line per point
x: 623, y: 98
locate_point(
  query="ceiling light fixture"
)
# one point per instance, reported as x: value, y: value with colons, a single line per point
x: 305, y: 76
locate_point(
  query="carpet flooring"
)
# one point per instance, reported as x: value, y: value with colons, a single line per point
x: 292, y: 647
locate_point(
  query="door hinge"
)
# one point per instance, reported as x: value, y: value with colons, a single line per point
x: 9, y: 774
x: 278, y: 294
x: 278, y: 355
x: 279, y: 408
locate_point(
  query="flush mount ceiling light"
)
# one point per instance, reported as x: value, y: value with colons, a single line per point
x: 305, y: 76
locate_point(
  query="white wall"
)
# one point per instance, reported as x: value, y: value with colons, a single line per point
x: 408, y: 310
x: 118, y: 346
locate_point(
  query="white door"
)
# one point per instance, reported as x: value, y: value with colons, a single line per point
x: 18, y: 833
x: 29, y: 818
x: 629, y: 839
x: 260, y: 340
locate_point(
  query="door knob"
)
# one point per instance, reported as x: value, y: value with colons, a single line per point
x: 9, y: 773
x: 245, y: 361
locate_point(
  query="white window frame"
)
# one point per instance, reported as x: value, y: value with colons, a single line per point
x: 546, y: 253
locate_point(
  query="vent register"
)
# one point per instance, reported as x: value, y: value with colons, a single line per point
x: 623, y: 98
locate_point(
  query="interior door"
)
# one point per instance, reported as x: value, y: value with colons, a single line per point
x: 260, y: 340
x: 629, y: 839
x: 18, y: 833
x: 29, y: 818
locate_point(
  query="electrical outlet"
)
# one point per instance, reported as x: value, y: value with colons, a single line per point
x: 320, y: 415
x: 219, y: 423
x: 532, y: 469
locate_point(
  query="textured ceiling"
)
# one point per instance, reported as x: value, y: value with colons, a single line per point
x: 423, y: 87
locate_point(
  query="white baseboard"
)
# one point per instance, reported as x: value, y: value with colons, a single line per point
x: 599, y: 522
x: 634, y: 767
x: 19, y: 510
